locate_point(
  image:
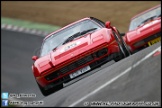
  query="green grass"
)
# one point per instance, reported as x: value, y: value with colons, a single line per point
x: 29, y: 24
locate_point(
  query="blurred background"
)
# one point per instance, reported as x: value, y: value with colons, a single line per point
x: 19, y: 47
x: 61, y: 13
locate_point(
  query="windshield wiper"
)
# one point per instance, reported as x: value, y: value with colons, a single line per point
x: 86, y: 31
x: 67, y: 40
x: 77, y: 34
x: 159, y: 15
x: 71, y: 37
x: 149, y: 19
x: 56, y: 46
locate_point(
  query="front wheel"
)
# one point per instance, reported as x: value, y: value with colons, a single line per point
x: 124, y: 45
x: 51, y: 90
x: 126, y: 49
x: 121, y: 54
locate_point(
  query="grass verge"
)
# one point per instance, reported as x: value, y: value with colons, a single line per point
x: 29, y: 24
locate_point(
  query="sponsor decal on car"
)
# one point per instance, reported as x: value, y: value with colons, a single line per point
x: 70, y: 46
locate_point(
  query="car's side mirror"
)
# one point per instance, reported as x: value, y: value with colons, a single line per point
x: 34, y: 58
x: 108, y: 24
x: 122, y: 34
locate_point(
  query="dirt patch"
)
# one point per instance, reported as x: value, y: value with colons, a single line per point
x: 62, y: 13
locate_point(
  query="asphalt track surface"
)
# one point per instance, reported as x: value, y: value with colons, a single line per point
x: 16, y: 73
x: 121, y: 81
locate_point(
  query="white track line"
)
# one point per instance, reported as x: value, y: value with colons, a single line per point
x: 147, y: 56
x: 115, y: 78
x: 9, y: 27
x: 3, y: 25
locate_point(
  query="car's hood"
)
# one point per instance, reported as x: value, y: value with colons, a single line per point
x: 71, y: 50
x: 146, y: 29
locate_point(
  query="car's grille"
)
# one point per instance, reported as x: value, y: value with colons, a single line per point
x: 77, y: 63
x: 142, y: 44
x: 152, y: 37
x: 101, y: 52
x: 52, y: 76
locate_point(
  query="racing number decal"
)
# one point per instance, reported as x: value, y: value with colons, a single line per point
x: 70, y: 46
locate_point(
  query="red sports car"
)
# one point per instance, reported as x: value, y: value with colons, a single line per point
x: 75, y: 49
x: 144, y: 29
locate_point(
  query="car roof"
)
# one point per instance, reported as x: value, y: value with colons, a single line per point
x: 146, y: 11
x: 66, y: 26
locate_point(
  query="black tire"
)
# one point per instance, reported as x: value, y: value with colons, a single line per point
x: 122, y: 51
x: 126, y: 49
x: 49, y: 91
x: 124, y: 45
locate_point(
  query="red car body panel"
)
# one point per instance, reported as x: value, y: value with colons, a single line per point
x: 79, y: 48
x: 143, y: 32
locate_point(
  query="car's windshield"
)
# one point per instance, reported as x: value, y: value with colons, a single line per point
x: 144, y: 17
x: 57, y: 38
